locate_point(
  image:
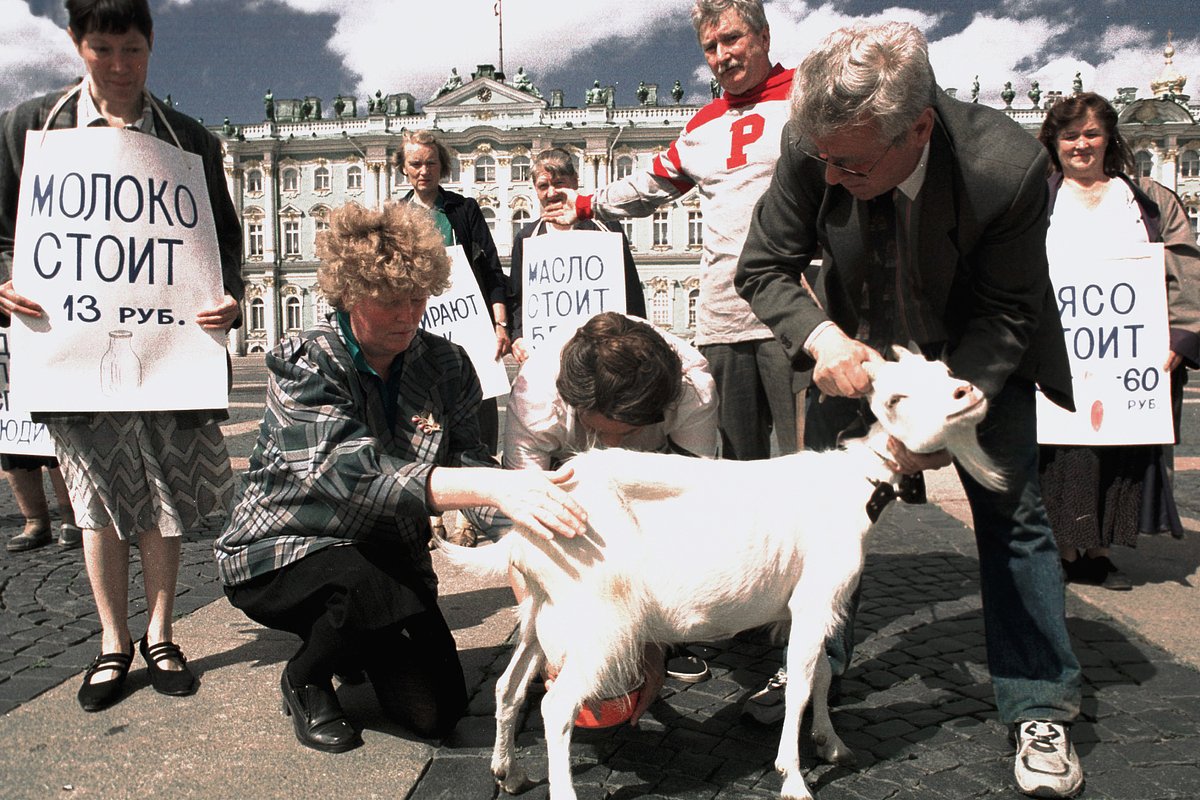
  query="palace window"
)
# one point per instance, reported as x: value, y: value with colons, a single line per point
x: 520, y: 169
x: 485, y: 169
x: 1189, y: 164
x: 660, y: 308
x: 1143, y: 164
x: 627, y: 229
x: 291, y: 237
x: 695, y: 229
x: 693, y: 302
x: 520, y: 219
x: 257, y: 317
x: 354, y: 179
x: 662, y: 229
x: 489, y: 216
x: 321, y: 179
x: 291, y: 313
x: 254, y: 239
x: 291, y: 180
x: 254, y: 181
x: 624, y: 167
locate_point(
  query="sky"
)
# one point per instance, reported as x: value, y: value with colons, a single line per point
x: 216, y: 58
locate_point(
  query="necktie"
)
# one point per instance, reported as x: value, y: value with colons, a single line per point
x: 877, y: 317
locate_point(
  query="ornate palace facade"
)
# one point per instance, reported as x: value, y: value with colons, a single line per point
x: 287, y: 172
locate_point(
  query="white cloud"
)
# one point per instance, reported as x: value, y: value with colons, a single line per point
x: 37, y: 56
x: 416, y: 47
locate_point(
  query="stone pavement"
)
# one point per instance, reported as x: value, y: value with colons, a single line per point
x: 917, y: 704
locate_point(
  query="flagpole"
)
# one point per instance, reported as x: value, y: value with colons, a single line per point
x: 499, y: 9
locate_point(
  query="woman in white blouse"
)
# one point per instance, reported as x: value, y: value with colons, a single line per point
x: 1100, y: 496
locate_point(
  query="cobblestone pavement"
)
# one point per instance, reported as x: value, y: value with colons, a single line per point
x: 917, y: 705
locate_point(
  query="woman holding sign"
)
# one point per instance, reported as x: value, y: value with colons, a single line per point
x: 553, y: 171
x: 459, y: 219
x: 1100, y: 496
x: 149, y: 475
x: 371, y: 426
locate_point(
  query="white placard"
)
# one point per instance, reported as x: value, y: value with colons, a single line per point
x: 567, y: 278
x: 115, y: 240
x: 1114, y: 316
x: 19, y: 435
x: 460, y: 314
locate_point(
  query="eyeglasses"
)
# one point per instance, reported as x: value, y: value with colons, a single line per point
x: 848, y: 170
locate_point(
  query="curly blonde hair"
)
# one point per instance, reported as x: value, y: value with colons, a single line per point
x: 380, y: 254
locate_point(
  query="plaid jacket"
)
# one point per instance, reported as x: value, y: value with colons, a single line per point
x: 328, y: 469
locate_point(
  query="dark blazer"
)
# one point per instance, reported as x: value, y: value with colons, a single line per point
x: 195, y: 138
x: 635, y: 298
x: 979, y: 244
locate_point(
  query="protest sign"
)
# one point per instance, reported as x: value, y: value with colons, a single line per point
x: 567, y: 278
x: 460, y: 314
x: 115, y: 240
x: 19, y: 435
x: 1113, y: 309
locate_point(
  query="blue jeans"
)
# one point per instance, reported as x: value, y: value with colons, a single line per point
x: 1035, y: 674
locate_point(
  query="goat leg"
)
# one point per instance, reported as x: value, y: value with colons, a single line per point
x: 830, y: 748
x: 510, y: 697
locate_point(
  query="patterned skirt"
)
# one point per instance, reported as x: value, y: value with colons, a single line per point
x: 141, y: 470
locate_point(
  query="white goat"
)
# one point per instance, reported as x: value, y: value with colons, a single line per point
x: 686, y: 549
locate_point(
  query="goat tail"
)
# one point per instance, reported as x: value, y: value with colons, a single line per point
x: 964, y: 445
x: 487, y: 561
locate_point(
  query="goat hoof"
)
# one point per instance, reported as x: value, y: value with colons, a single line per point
x: 794, y: 788
x: 515, y: 782
x: 835, y: 751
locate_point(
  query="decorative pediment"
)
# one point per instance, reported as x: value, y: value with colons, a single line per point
x: 290, y: 211
x: 483, y: 93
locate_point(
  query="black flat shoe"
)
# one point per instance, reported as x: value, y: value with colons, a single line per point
x: 317, y: 717
x: 102, y: 694
x: 177, y: 683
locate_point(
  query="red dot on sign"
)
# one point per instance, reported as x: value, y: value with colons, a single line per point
x: 1097, y: 415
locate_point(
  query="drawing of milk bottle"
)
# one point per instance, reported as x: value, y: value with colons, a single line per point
x: 120, y: 369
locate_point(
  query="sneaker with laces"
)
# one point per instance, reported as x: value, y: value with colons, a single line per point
x: 1047, y: 764
x: 766, y: 706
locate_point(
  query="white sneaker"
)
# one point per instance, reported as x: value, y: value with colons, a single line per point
x: 1047, y: 765
x: 766, y: 706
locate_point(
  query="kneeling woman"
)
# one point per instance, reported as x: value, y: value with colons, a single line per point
x: 370, y: 427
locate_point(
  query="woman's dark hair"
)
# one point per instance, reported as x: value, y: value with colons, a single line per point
x: 620, y: 368
x: 109, y: 16
x: 1118, y: 158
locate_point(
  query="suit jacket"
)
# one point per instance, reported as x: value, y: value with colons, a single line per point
x: 977, y: 243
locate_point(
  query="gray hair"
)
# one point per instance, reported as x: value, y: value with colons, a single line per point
x: 557, y: 163
x: 865, y: 74
x: 707, y: 12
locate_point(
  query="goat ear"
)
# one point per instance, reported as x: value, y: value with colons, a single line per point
x: 871, y: 367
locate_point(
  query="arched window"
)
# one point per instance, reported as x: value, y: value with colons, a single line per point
x: 254, y: 181
x: 1143, y: 164
x: 520, y: 169
x: 485, y: 169
x: 291, y: 180
x: 624, y: 167
x: 320, y: 218
x: 354, y: 178
x: 321, y: 179
x: 257, y: 316
x: 321, y: 305
x: 660, y: 307
x: 520, y: 219
x: 1189, y: 164
x: 627, y: 229
x: 455, y: 171
x: 489, y: 216
x: 291, y: 313
x: 693, y: 302
x: 1193, y: 215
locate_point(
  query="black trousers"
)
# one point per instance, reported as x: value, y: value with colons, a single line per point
x: 353, y: 609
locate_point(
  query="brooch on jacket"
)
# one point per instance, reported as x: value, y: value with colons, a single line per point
x: 426, y: 425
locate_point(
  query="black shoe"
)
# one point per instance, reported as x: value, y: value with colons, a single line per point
x: 317, y: 717
x: 178, y: 683
x: 102, y: 694
x: 1113, y: 579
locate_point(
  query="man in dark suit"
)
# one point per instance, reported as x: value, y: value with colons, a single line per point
x: 929, y: 216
